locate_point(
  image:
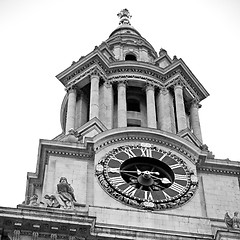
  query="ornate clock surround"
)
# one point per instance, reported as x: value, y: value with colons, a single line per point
x: 113, y: 184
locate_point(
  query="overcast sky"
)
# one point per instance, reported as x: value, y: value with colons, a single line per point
x: 41, y: 38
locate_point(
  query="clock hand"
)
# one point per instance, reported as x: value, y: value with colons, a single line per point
x: 133, y: 176
x: 163, y: 180
x: 126, y: 171
x: 156, y: 173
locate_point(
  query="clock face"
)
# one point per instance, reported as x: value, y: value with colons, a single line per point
x: 145, y: 177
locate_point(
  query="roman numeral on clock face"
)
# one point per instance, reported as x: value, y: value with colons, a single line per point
x: 174, y: 166
x: 180, y: 177
x: 148, y: 195
x: 113, y: 170
x: 146, y: 152
x: 176, y: 187
x: 117, y: 181
x: 130, y: 190
x: 117, y: 159
x: 130, y: 153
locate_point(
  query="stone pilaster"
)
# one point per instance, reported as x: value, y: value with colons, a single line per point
x: 164, y: 110
x: 94, y: 96
x: 194, y: 119
x: 122, y: 104
x: 180, y: 107
x: 71, y: 108
x: 151, y: 106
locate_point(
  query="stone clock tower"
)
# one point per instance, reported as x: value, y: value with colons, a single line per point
x: 130, y: 162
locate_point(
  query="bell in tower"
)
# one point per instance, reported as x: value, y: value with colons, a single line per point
x: 130, y: 162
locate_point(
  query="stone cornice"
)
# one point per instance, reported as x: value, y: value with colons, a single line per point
x: 108, y: 69
x: 218, y: 166
x: 45, y: 221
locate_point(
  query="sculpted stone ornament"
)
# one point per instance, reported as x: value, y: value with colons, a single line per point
x: 64, y: 198
x: 124, y: 16
x: 34, y: 201
x: 232, y: 223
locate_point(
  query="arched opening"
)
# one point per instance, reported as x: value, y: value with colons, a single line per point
x: 130, y: 57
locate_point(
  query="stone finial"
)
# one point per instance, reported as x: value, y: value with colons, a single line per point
x: 124, y: 16
x: 162, y: 52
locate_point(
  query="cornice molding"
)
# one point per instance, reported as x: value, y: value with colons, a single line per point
x: 47, y: 223
x: 108, y: 70
x: 217, y: 170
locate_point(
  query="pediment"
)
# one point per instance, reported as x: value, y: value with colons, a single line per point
x: 163, y: 61
x: 91, y: 128
x: 189, y: 136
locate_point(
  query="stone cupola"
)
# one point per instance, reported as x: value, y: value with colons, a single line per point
x: 125, y: 83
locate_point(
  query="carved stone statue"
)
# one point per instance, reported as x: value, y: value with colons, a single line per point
x: 65, y: 195
x: 51, y: 201
x: 232, y: 223
x: 33, y: 201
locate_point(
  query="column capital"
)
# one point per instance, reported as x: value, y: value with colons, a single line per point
x: 195, y: 103
x: 163, y: 90
x: 72, y: 88
x: 122, y: 83
x: 94, y: 72
x: 178, y: 83
x: 107, y: 83
x: 149, y: 85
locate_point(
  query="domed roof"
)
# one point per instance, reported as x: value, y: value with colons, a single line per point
x: 125, y: 24
x: 126, y: 29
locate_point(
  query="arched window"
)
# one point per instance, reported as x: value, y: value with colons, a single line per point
x: 130, y: 57
x: 133, y: 105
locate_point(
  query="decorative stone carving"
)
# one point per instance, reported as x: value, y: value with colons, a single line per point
x: 64, y: 198
x: 34, y: 201
x: 72, y: 136
x: 164, y: 90
x: 124, y: 16
x: 195, y: 103
x: 16, y: 235
x: 35, y: 235
x: 234, y: 222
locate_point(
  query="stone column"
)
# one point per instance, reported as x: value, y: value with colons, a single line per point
x: 164, y: 108
x: 194, y: 120
x: 109, y: 105
x: 180, y: 108
x: 94, y: 97
x: 122, y: 104
x: 151, y: 107
x: 71, y: 108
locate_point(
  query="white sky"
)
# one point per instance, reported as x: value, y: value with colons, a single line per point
x: 41, y: 38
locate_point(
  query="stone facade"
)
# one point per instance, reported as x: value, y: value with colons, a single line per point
x: 130, y: 162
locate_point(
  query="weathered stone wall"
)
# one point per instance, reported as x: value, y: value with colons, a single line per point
x: 221, y: 193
